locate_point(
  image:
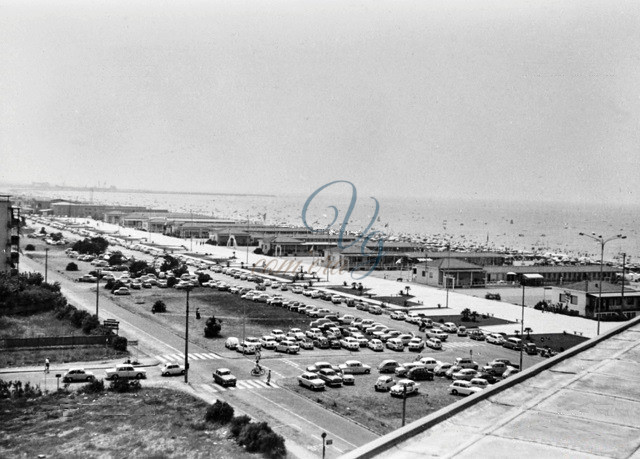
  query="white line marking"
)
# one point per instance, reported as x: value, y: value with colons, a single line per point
x: 162, y: 359
x: 177, y: 357
x: 201, y: 356
x: 208, y: 388
x: 193, y: 357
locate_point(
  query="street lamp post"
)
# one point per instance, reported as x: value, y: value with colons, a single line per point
x: 98, y: 290
x: 324, y: 438
x: 602, y: 241
x: 46, y: 264
x: 522, y: 328
x: 186, y: 341
x: 446, y: 280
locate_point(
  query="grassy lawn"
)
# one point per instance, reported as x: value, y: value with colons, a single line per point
x: 261, y: 318
x: 378, y: 410
x: 397, y: 300
x: 149, y: 423
x: 46, y: 324
x: 349, y: 290
x: 557, y: 341
x: 480, y: 321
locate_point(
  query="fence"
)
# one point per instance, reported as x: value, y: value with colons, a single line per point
x: 52, y: 341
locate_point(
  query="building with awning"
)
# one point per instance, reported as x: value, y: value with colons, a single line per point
x: 617, y: 300
x: 550, y: 275
x: 455, y: 272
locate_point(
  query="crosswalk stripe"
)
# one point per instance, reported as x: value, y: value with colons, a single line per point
x: 177, y: 357
x: 208, y: 388
x: 162, y: 359
x: 244, y: 385
x: 219, y: 387
x: 213, y: 356
x: 261, y: 384
x: 201, y: 356
x: 193, y: 356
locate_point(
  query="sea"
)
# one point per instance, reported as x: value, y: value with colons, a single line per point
x: 527, y: 226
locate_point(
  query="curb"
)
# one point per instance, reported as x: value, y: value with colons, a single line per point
x: 53, y: 370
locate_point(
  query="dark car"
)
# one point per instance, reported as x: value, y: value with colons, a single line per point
x: 420, y: 374
x: 335, y: 344
x: 491, y: 379
x: 476, y: 335
x: 322, y: 343
x: 531, y: 349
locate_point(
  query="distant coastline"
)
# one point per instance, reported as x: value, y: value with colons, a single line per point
x: 113, y: 189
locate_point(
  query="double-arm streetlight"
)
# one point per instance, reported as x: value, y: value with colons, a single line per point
x: 602, y: 241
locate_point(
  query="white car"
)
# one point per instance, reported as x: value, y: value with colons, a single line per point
x: 297, y: 289
x: 463, y: 388
x: 495, y: 338
x: 395, y: 344
x: 278, y: 334
x: 362, y: 341
x: 268, y: 342
x: 311, y: 381
x: 354, y: 367
x: 350, y: 343
x: 479, y: 382
x: 384, y: 383
x: 466, y: 374
x: 437, y: 333
x: 231, y: 343
x: 416, y: 344
x: 398, y: 315
x: 449, y: 327
x: 404, y: 386
x: 171, y: 369
x: 430, y: 363
x: 375, y: 345
x: 316, y: 294
x: 434, y: 343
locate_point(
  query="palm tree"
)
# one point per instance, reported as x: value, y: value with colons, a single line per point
x: 474, y: 316
x: 466, y: 312
x: 528, y: 331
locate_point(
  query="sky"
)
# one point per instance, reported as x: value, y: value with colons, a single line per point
x: 513, y: 100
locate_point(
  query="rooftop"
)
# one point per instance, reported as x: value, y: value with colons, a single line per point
x: 594, y: 287
x: 584, y: 402
x: 550, y: 269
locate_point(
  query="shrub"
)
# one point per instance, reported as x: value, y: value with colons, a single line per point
x: 259, y: 437
x: 78, y: 316
x: 159, y: 306
x: 30, y: 247
x: 171, y: 281
x: 91, y: 246
x: 94, y: 387
x: 220, y: 412
x: 72, y: 266
x: 90, y: 323
x: 124, y: 385
x: 238, y: 423
x: 203, y: 277
x: 65, y: 312
x: 212, y: 327
x: 258, y: 251
x: 119, y: 343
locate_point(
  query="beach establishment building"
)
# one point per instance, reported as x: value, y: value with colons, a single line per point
x: 584, y: 402
x: 548, y: 275
x: 456, y: 272
x: 477, y: 258
x: 583, y: 297
x: 230, y: 237
x: 85, y: 210
x: 9, y: 234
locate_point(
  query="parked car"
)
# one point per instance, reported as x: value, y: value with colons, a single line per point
x: 442, y: 369
x: 311, y: 381
x: 388, y: 366
x: 322, y: 343
x: 437, y: 334
x: 403, y: 369
x: 330, y: 377
x: 223, y: 377
x: 320, y: 365
x: 466, y: 362
x: 125, y: 371
x: 306, y: 344
x: 416, y: 345
x: 495, y: 338
x: 531, y: 349
x: 268, y: 342
x: 375, y: 345
x: 404, y: 386
x: 513, y: 343
x: 122, y: 291
x: 398, y: 315
x: 231, y: 343
x: 430, y: 363
x: 510, y: 371
x: 350, y: 343
x: 489, y: 377
x: 395, y: 344
x: 354, y: 367
x: 480, y: 382
x: 462, y: 331
x: 434, y: 343
x: 384, y: 383
x: 171, y: 369
x: 476, y: 335
x: 420, y: 374
x: 463, y: 388
x: 466, y: 374
x: 290, y: 347
x: 77, y: 375
x: 449, y: 327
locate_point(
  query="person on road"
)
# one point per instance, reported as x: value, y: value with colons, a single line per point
x: 198, y: 313
x: 46, y: 365
x: 269, y: 378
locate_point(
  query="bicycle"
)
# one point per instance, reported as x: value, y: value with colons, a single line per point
x: 257, y: 371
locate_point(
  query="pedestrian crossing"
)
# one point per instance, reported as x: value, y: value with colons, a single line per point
x: 291, y: 363
x: 179, y: 358
x: 244, y: 384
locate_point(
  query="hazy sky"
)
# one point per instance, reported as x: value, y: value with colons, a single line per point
x: 510, y: 99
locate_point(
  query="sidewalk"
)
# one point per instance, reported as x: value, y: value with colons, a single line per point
x: 95, y: 365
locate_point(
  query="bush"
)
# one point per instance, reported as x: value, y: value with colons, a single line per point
x: 124, y: 385
x: 212, y: 327
x: 238, y: 423
x: 94, y: 245
x: 203, y: 277
x: 119, y: 343
x: 78, y: 317
x: 30, y: 247
x: 219, y: 412
x: 90, y: 323
x: 171, y: 281
x: 94, y: 387
x: 72, y: 266
x: 259, y: 437
x: 159, y: 306
x: 258, y: 251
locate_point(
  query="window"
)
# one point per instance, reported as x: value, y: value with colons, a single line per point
x: 423, y: 273
x: 574, y: 299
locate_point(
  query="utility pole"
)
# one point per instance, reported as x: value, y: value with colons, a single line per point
x: 522, y: 327
x: 46, y: 264
x: 324, y: 438
x: 624, y: 261
x: 446, y: 280
x: 404, y: 404
x: 186, y: 342
x: 97, y: 290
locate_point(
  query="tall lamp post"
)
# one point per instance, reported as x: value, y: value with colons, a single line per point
x: 46, y: 263
x: 522, y: 324
x: 602, y: 241
x: 446, y: 276
x: 186, y: 341
x: 98, y: 289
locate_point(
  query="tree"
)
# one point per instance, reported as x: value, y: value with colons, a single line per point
x: 43, y: 230
x: 138, y: 266
x: 171, y: 281
x: 466, y: 312
x: 212, y: 327
x: 169, y: 263
x: 528, y: 331
x: 203, y: 277
x: 94, y: 246
x: 474, y: 316
x: 30, y: 247
x: 90, y: 323
x: 72, y: 266
x: 56, y: 236
x: 180, y: 270
x: 220, y: 412
x: 159, y: 306
x: 116, y: 258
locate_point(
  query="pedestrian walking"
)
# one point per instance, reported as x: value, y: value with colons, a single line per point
x: 46, y: 365
x: 269, y: 378
x: 197, y: 313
